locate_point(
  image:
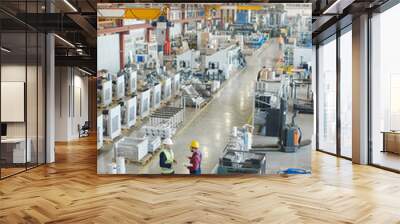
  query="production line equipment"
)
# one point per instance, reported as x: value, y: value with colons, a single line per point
x: 112, y: 122
x: 118, y: 86
x: 104, y: 89
x: 213, y: 72
x: 155, y: 96
x: 143, y: 99
x: 237, y: 157
x: 100, y: 131
x: 166, y: 89
x: 130, y: 81
x: 289, y: 135
x: 176, y: 84
x: 128, y: 112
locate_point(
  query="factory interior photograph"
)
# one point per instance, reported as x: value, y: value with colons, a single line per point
x: 264, y: 111
x: 204, y: 89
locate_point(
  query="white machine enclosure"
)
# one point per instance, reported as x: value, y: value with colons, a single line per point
x: 176, y: 84
x: 166, y: 89
x: 128, y: 112
x: 119, y: 87
x: 104, y: 93
x: 233, y: 62
x: 131, y: 112
x: 113, y: 122
x: 188, y: 60
x: 131, y: 82
x: 144, y: 103
x: 156, y: 96
x: 100, y: 131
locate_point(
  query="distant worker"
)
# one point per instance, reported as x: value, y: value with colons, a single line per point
x: 281, y: 42
x: 195, y: 159
x: 260, y: 73
x: 167, y: 157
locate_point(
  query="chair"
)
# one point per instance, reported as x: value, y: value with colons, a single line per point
x: 84, y: 129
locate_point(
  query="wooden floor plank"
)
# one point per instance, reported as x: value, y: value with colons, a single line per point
x: 70, y: 191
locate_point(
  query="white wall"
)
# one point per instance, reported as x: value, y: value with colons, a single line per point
x: 71, y: 102
x: 108, y: 53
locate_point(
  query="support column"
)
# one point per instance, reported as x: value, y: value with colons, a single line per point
x: 50, y: 98
x: 121, y: 47
x: 360, y: 90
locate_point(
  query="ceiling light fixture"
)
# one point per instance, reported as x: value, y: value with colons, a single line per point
x: 337, y: 7
x: 70, y: 5
x: 5, y: 50
x: 84, y: 71
x: 64, y: 40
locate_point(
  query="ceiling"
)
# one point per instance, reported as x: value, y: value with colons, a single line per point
x: 74, y: 22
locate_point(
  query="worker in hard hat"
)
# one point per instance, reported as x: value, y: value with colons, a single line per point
x: 167, y: 157
x: 195, y: 158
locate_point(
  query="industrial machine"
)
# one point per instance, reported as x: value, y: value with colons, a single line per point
x: 104, y: 92
x: 213, y: 72
x: 166, y: 89
x: 99, y: 131
x: 244, y: 29
x: 144, y: 103
x: 130, y: 81
x: 112, y: 122
x: 155, y: 96
x: 104, y: 89
x: 118, y: 86
x: 242, y: 162
x: 192, y: 97
x: 255, y: 40
x: 176, y: 84
x: 128, y: 112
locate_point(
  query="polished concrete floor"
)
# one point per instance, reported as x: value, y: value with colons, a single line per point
x: 212, y: 125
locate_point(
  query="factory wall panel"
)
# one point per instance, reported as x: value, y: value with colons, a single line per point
x: 108, y: 53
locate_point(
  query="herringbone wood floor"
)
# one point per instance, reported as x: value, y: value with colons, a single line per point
x: 71, y: 192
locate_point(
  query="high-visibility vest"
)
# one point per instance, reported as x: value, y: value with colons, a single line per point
x: 169, y: 154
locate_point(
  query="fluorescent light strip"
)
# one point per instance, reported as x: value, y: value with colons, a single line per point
x: 5, y: 50
x: 65, y: 41
x: 86, y: 72
x: 330, y: 7
x: 70, y: 5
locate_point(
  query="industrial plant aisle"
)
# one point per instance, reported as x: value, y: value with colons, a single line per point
x: 232, y: 106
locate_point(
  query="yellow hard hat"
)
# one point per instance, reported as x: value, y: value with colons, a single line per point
x: 195, y: 144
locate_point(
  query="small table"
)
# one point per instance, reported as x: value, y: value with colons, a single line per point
x: 391, y: 141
